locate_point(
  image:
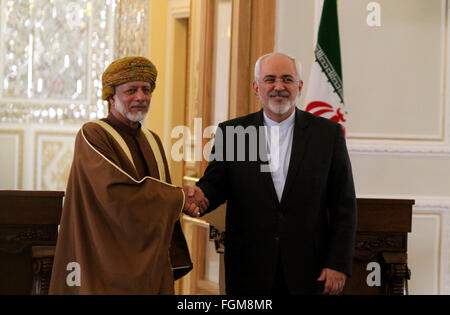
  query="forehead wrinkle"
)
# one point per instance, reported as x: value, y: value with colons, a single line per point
x: 278, y: 64
x: 134, y: 85
x: 281, y: 76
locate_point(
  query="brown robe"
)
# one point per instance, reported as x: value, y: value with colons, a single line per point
x: 119, y: 227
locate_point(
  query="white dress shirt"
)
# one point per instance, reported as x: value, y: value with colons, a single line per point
x: 279, y: 164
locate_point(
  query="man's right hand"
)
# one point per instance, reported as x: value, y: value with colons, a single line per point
x: 196, y: 203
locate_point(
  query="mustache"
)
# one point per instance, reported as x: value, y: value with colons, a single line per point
x: 140, y: 103
x: 280, y: 93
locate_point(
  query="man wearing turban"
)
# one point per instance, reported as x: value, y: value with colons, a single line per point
x: 120, y: 231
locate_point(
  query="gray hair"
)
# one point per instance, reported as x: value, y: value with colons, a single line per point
x: 298, y: 65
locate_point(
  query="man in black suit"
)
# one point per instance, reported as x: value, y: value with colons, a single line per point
x: 291, y: 212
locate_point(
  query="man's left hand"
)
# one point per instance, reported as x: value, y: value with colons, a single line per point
x: 334, y: 281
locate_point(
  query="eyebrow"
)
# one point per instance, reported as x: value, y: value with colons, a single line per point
x: 283, y: 76
x: 137, y: 86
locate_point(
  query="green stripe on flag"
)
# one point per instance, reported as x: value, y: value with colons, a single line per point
x: 328, y: 51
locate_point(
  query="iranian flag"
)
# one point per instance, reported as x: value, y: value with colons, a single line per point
x: 325, y: 90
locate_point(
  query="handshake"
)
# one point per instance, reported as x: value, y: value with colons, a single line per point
x: 196, y: 203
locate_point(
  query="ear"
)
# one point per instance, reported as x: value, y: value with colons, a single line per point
x: 255, y: 88
x: 300, y: 87
x: 111, y: 100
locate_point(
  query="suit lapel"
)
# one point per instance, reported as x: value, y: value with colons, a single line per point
x: 265, y: 176
x: 299, y: 142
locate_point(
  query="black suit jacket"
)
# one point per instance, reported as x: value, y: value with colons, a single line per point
x: 313, y: 227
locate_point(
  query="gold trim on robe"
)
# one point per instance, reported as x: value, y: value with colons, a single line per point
x: 117, y: 137
x: 158, y: 156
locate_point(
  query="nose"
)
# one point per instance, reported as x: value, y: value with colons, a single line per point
x: 279, y: 85
x: 139, y: 95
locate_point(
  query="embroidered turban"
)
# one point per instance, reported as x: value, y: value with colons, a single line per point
x: 126, y: 70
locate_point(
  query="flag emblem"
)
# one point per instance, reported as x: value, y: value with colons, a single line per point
x: 325, y: 93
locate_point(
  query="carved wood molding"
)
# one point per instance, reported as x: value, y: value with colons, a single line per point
x: 42, y: 268
x: 369, y: 245
x: 15, y: 239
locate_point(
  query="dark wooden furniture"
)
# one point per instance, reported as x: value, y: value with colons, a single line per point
x: 382, y: 234
x: 28, y: 232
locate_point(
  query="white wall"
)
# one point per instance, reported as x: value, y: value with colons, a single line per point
x: 396, y: 92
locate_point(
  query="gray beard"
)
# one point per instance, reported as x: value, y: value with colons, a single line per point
x: 139, y: 116
x: 280, y: 110
x: 275, y: 109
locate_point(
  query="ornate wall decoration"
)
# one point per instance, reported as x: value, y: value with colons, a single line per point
x: 54, y: 154
x: 52, y: 55
x: 131, y: 27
